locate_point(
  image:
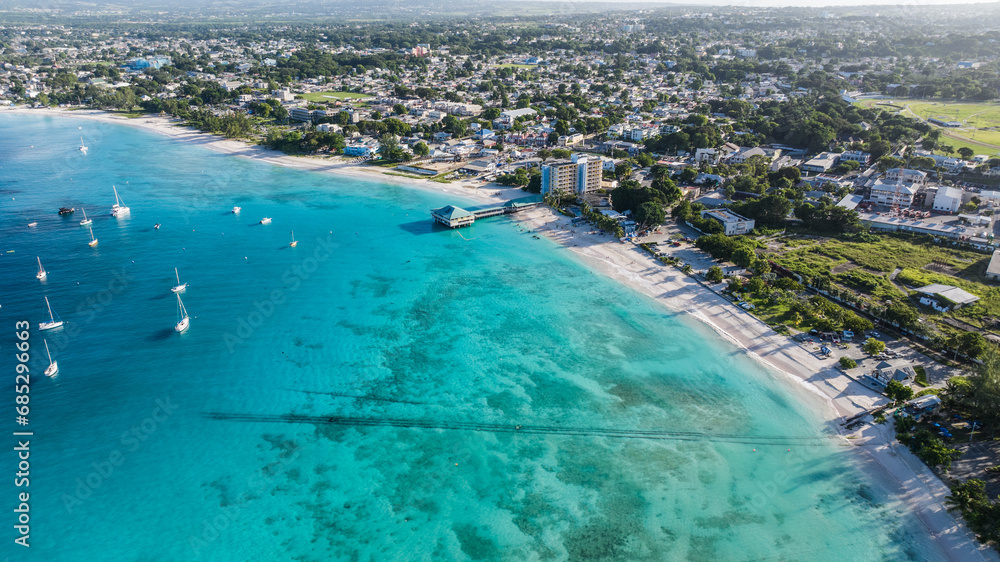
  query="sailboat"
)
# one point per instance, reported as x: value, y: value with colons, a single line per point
x: 41, y: 271
x: 83, y: 147
x: 93, y: 241
x: 179, y: 287
x: 265, y: 220
x: 53, y: 367
x: 85, y: 220
x: 236, y: 210
x: 294, y: 242
x: 52, y: 323
x: 119, y: 210
x: 182, y: 314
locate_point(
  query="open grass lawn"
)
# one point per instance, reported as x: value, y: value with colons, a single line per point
x: 980, y: 115
x: 885, y: 255
x: 518, y: 66
x: 334, y: 96
x: 865, y: 267
x: 978, y: 119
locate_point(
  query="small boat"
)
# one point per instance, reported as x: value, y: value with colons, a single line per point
x: 83, y: 147
x: 119, y: 209
x: 93, y: 241
x: 236, y: 210
x: 183, y: 321
x: 294, y: 242
x: 33, y: 223
x: 85, y: 220
x: 156, y: 226
x: 52, y: 323
x: 53, y: 367
x: 179, y: 287
x: 41, y: 271
x: 265, y: 220
x: 66, y: 210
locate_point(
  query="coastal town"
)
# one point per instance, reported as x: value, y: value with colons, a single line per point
x: 820, y: 187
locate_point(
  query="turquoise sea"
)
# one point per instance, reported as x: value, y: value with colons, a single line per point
x: 387, y: 390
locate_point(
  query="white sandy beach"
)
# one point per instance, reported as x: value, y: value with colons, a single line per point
x: 817, y: 379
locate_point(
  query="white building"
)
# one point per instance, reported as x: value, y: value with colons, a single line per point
x: 902, y: 175
x: 886, y: 193
x: 820, y: 163
x: 507, y: 118
x: 581, y: 174
x: 732, y: 224
x: 856, y: 156
x: 948, y: 199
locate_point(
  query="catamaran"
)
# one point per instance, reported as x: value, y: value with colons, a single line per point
x: 85, y: 220
x: 41, y: 271
x: 83, y: 147
x: 265, y: 220
x: 294, y: 242
x: 93, y: 241
x: 179, y: 287
x: 52, y: 323
x: 119, y: 210
x: 53, y: 367
x: 183, y: 321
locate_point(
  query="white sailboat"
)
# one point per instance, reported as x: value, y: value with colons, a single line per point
x: 179, y: 287
x: 53, y: 322
x: 294, y: 242
x: 42, y: 274
x: 83, y: 147
x: 85, y: 220
x: 183, y: 321
x: 53, y: 367
x: 236, y: 210
x: 265, y: 220
x: 119, y: 209
x: 93, y: 241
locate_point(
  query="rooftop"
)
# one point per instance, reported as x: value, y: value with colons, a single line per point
x: 949, y: 293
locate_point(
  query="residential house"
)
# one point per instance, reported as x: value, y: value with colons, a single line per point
x: 732, y: 224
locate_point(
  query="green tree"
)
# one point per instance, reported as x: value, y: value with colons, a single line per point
x: 984, y: 395
x: 421, y: 149
x: 848, y: 363
x: 966, y: 153
x: 714, y: 274
x: 873, y: 346
x: 650, y: 214
x: 898, y: 392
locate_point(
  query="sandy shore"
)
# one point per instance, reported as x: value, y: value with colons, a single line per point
x: 816, y: 378
x: 890, y: 464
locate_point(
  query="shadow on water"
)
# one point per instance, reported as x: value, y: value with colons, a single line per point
x: 421, y: 227
x: 160, y: 335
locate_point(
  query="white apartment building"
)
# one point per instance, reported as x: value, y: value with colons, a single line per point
x: 580, y: 174
x: 732, y: 224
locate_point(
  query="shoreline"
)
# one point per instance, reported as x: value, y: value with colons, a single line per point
x: 173, y: 128
x: 877, y: 453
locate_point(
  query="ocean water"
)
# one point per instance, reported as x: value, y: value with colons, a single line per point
x: 387, y: 390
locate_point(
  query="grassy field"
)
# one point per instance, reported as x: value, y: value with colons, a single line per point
x: 981, y: 120
x: 866, y: 267
x: 333, y: 96
x: 518, y: 66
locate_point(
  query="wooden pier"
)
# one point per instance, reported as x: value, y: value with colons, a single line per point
x: 457, y: 217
